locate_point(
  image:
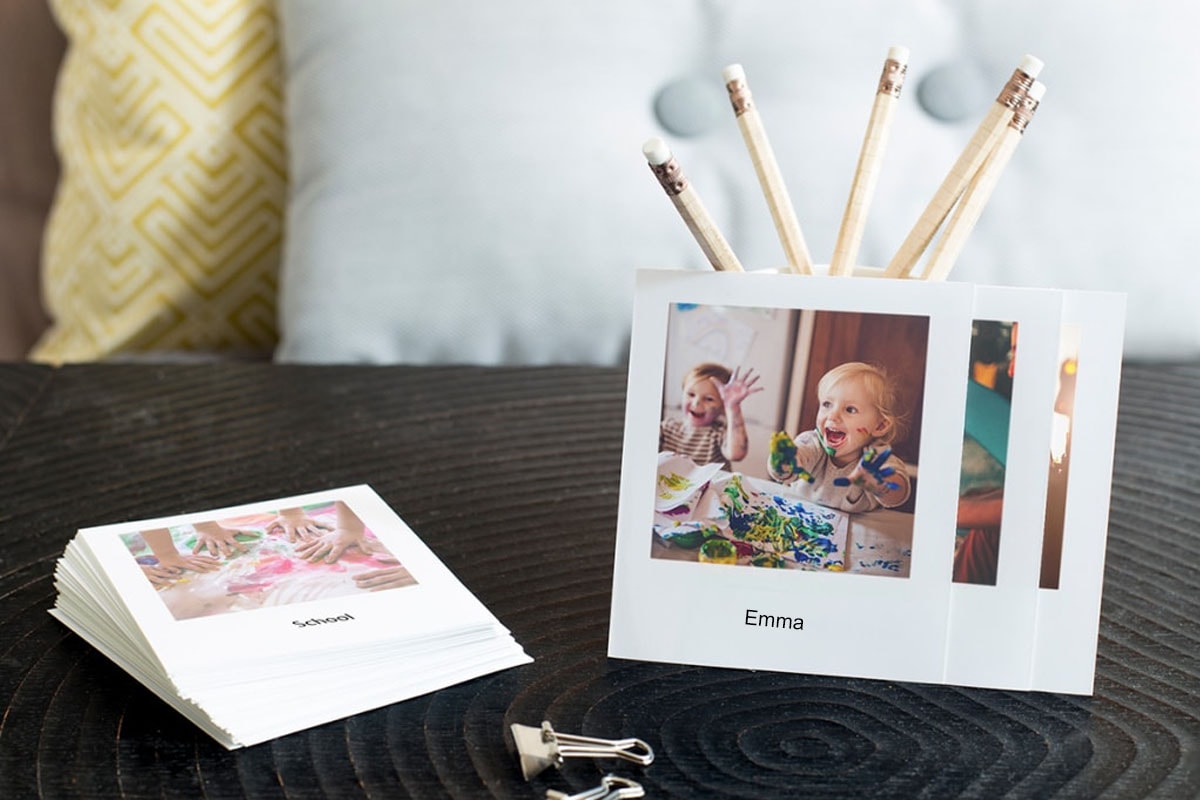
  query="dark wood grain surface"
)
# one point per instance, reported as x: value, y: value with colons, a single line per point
x: 511, y: 476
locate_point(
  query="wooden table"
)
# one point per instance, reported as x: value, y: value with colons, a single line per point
x: 487, y: 464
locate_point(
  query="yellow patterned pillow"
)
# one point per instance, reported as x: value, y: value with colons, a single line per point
x: 166, y: 228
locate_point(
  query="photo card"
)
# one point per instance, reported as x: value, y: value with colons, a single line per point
x: 1003, y: 486
x: 867, y: 478
x: 231, y: 614
x: 255, y: 601
x: 1087, y: 388
x: 790, y: 474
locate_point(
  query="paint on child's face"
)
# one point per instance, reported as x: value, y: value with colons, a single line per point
x: 849, y: 420
x: 702, y: 404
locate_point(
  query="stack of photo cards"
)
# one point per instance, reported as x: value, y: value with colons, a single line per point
x: 890, y: 479
x: 261, y: 620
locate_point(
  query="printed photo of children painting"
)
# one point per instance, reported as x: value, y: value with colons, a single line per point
x: 789, y: 438
x: 985, y: 448
x: 1060, y: 457
x: 273, y: 558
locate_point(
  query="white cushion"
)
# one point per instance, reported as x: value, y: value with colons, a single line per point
x: 467, y: 183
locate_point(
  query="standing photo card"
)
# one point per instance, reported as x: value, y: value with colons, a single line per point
x: 1087, y: 381
x: 849, y: 476
x: 1005, y: 434
x: 782, y: 558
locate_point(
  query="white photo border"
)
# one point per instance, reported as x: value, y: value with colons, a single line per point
x: 695, y: 613
x: 991, y: 637
x: 269, y: 632
x: 1068, y: 618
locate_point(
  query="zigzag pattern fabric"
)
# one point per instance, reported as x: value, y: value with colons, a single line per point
x: 166, y: 228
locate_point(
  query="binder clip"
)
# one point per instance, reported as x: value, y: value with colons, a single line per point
x: 612, y: 787
x: 540, y: 748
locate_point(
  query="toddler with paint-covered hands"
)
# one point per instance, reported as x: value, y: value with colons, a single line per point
x: 846, y: 461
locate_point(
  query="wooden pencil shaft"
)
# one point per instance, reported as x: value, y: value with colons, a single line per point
x: 866, y: 173
x: 695, y: 216
x: 862, y: 188
x: 980, y: 189
x: 963, y: 170
x: 769, y: 177
x: 778, y: 201
x: 970, y: 207
x: 947, y: 194
x: 705, y: 231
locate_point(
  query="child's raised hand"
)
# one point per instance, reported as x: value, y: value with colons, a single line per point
x: 872, y: 472
x: 741, y: 385
x: 781, y: 463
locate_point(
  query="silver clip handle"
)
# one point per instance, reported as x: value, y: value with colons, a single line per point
x: 571, y: 745
x: 541, y: 748
x: 612, y: 787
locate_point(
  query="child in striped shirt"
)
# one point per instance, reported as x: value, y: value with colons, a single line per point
x: 711, y: 427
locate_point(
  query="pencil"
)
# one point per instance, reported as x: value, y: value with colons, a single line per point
x: 968, y: 163
x: 980, y: 189
x: 687, y: 203
x: 870, y: 157
x: 769, y: 177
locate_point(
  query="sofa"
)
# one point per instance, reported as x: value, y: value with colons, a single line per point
x: 461, y: 182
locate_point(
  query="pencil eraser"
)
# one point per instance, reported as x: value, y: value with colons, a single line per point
x: 656, y: 150
x: 898, y: 54
x: 733, y: 72
x: 1036, y: 90
x: 1031, y: 65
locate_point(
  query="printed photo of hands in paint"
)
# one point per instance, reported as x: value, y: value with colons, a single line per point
x: 789, y: 438
x: 272, y: 558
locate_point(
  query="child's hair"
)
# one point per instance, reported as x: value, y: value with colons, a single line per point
x: 879, y: 386
x: 707, y: 369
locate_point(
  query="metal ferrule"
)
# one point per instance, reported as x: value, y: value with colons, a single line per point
x: 891, y: 81
x: 1023, y: 113
x: 739, y: 96
x: 1016, y: 88
x: 670, y: 176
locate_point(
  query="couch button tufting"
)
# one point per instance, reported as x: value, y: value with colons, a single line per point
x: 953, y: 92
x: 690, y: 106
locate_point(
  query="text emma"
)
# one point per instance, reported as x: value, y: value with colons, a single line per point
x: 755, y: 619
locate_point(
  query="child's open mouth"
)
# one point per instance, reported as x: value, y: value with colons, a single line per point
x: 834, y: 438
